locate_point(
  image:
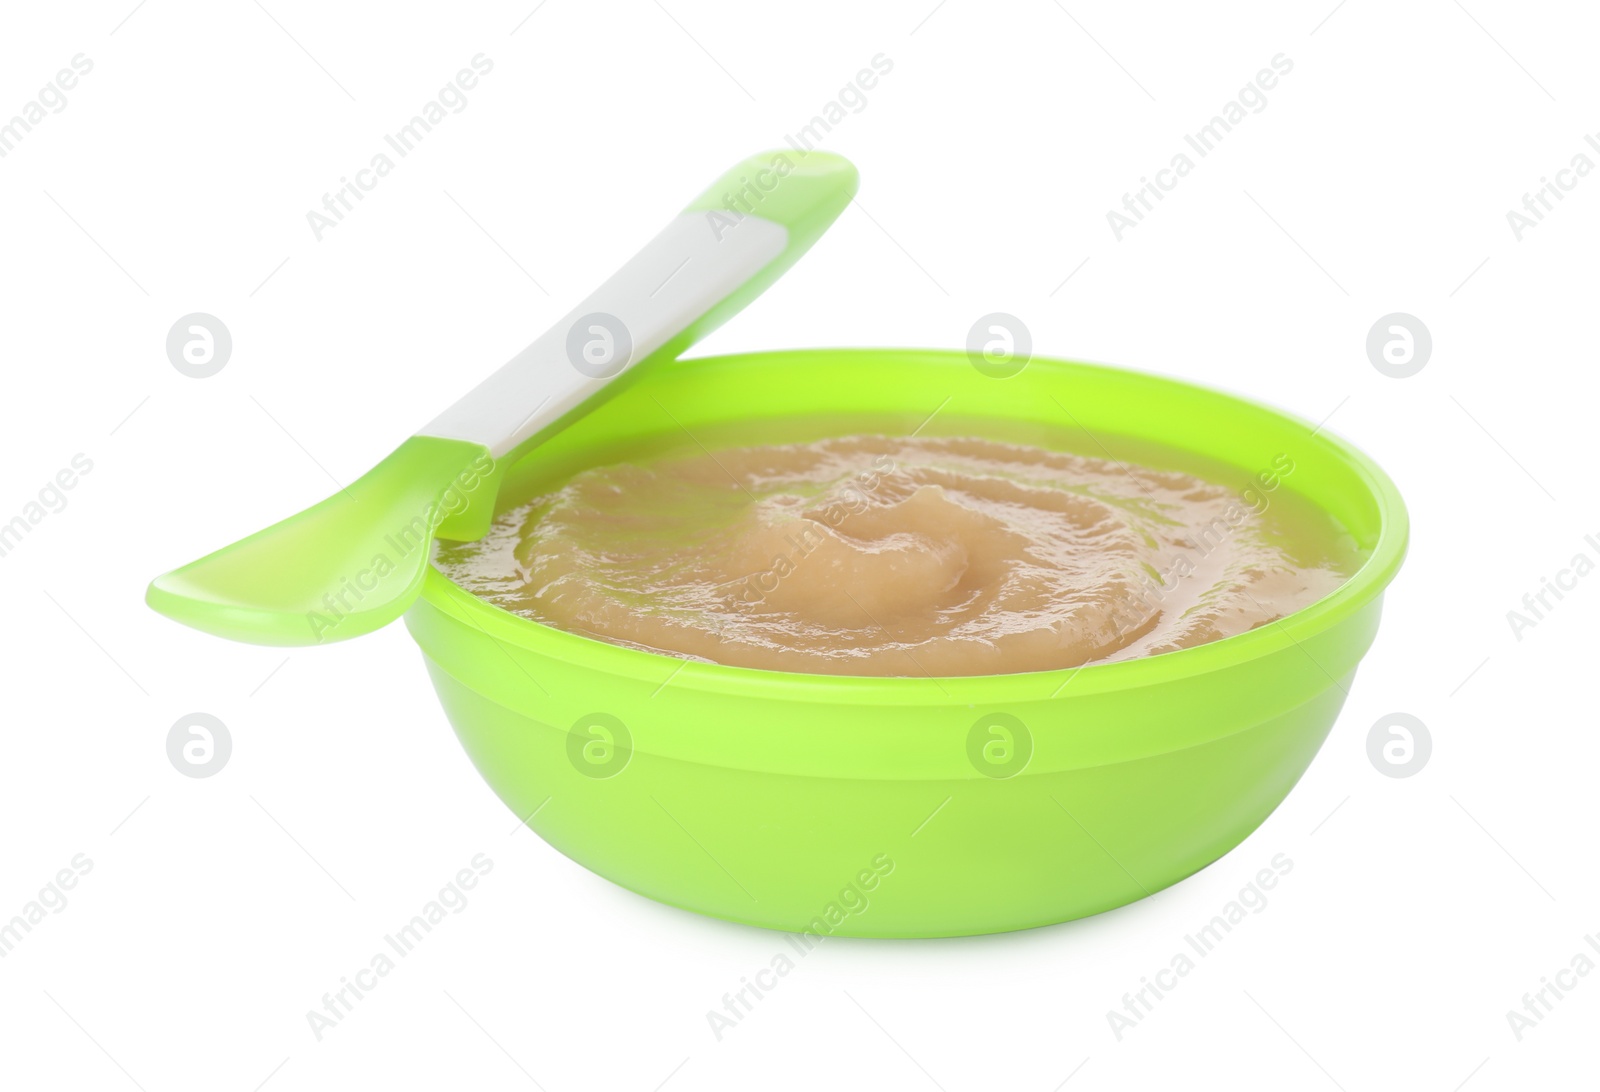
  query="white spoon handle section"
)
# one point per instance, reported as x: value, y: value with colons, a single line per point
x: 697, y: 262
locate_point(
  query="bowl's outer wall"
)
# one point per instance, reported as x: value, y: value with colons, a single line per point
x: 788, y: 851
x: 803, y: 802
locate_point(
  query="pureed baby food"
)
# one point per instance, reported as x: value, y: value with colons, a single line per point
x: 882, y: 555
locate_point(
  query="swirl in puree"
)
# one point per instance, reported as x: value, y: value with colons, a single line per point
x: 876, y: 555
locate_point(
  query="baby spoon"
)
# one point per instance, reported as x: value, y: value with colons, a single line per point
x: 356, y: 561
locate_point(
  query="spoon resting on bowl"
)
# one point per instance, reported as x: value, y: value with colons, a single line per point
x: 356, y: 561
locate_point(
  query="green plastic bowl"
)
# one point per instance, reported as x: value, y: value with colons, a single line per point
x: 911, y: 807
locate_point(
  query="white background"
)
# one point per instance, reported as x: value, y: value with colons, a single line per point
x: 218, y: 911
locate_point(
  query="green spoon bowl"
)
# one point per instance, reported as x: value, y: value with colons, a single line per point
x: 911, y: 807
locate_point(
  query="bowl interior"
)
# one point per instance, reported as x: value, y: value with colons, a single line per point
x: 1092, y: 410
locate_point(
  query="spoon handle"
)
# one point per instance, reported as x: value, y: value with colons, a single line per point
x: 711, y: 260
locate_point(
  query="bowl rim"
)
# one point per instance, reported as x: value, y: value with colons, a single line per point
x: 1365, y: 585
